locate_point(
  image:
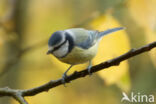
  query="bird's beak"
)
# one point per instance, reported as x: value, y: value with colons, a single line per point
x: 49, y: 52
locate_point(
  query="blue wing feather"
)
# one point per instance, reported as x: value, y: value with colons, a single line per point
x: 94, y: 36
x: 90, y: 41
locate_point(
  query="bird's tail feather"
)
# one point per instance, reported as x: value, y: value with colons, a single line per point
x: 103, y: 33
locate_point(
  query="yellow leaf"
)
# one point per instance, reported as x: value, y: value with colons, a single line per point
x: 143, y: 11
x: 110, y: 47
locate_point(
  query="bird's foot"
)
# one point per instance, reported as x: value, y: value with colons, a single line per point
x: 64, y: 76
x: 89, y: 70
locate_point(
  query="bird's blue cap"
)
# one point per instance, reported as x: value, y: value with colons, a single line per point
x: 55, y: 38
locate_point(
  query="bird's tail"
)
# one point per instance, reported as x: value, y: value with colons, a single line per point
x: 103, y: 33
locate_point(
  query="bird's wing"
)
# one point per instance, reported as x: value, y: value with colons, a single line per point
x: 83, y: 38
x: 95, y: 36
x: 89, y: 41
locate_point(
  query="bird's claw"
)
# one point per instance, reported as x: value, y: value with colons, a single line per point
x: 64, y: 76
x: 89, y: 70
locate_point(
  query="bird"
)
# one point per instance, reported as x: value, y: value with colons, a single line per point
x: 76, y: 46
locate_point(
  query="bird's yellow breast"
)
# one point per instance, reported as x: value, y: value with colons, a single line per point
x: 79, y: 55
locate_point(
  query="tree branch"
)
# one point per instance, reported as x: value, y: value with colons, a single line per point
x: 17, y: 94
x: 20, y: 94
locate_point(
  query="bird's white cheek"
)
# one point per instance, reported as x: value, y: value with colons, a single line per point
x: 62, y: 51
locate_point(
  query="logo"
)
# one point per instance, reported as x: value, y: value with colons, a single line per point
x: 138, y: 97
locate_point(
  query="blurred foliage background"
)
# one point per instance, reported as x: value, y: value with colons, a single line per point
x: 26, y: 25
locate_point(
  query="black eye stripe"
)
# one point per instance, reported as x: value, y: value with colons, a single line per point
x: 56, y: 48
x: 70, y: 46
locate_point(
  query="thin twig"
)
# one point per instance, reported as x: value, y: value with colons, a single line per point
x: 20, y: 99
x: 20, y: 94
x: 17, y: 94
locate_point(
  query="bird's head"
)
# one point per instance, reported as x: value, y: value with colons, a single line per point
x: 60, y: 43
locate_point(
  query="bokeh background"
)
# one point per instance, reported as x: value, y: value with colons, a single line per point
x: 26, y: 25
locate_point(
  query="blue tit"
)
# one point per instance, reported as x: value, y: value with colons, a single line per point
x: 76, y: 46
